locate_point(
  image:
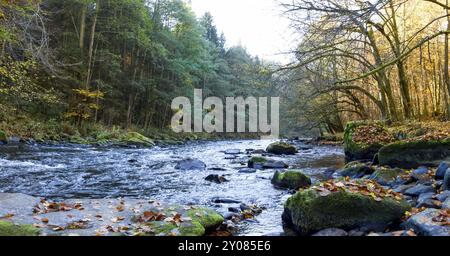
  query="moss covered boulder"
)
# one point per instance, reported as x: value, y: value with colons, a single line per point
x: 412, y: 154
x: 281, y: 148
x: 208, y: 218
x: 257, y: 162
x: 363, y: 140
x: 356, y: 170
x: 3, y: 137
x: 291, y: 180
x: 11, y: 229
x: 386, y: 176
x: 190, y: 228
x: 310, y: 211
x: 137, y: 139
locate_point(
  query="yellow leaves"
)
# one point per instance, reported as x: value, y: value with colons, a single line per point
x: 364, y: 187
x: 89, y: 94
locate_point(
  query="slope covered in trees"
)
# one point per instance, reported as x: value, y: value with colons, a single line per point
x: 114, y: 62
x: 359, y: 60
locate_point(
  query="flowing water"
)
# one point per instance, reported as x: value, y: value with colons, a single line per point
x: 72, y: 171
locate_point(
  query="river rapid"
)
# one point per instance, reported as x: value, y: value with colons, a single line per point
x: 60, y: 172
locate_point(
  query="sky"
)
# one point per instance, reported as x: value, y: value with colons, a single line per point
x: 255, y: 24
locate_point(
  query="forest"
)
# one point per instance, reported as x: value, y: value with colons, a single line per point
x: 86, y: 111
x: 114, y: 63
x: 370, y: 60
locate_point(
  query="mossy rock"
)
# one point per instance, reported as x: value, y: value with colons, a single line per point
x: 414, y: 154
x: 134, y: 138
x: 3, y: 137
x: 191, y: 228
x: 256, y: 160
x: 308, y: 212
x: 281, y: 148
x: 356, y: 170
x: 11, y: 229
x: 386, y: 176
x: 355, y: 151
x: 208, y: 218
x: 291, y: 180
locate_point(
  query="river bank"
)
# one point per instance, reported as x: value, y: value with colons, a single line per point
x: 258, y: 187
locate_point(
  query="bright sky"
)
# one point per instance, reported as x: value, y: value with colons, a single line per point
x: 255, y: 24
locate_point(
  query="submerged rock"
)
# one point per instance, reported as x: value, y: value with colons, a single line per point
x: 413, y: 154
x: 308, y: 211
x: 232, y: 152
x: 281, y: 148
x: 190, y: 164
x: 291, y: 180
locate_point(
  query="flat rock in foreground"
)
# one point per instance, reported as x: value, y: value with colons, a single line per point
x: 107, y: 217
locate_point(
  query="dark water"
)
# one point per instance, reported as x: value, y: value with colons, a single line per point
x: 68, y: 171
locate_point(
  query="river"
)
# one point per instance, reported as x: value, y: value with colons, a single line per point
x: 72, y: 171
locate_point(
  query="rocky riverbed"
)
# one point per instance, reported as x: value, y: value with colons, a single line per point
x: 80, y: 190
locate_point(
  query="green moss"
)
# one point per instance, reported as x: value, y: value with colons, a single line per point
x: 208, y: 218
x: 357, y: 150
x: 193, y: 228
x: 134, y: 138
x: 10, y: 229
x: 414, y: 154
x: 281, y: 148
x: 3, y: 137
x: 308, y: 212
x: 256, y: 160
x: 291, y: 180
x: 385, y: 176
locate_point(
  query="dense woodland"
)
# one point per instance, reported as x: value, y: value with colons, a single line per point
x: 383, y: 59
x: 115, y: 62
x: 119, y: 63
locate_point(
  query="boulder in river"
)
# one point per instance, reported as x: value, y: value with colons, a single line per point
x: 430, y: 223
x: 190, y: 164
x: 256, y: 162
x: 264, y: 163
x: 405, y: 154
x: 216, y: 179
x: 291, y: 180
x: 317, y: 208
x: 281, y: 148
x: 356, y: 170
